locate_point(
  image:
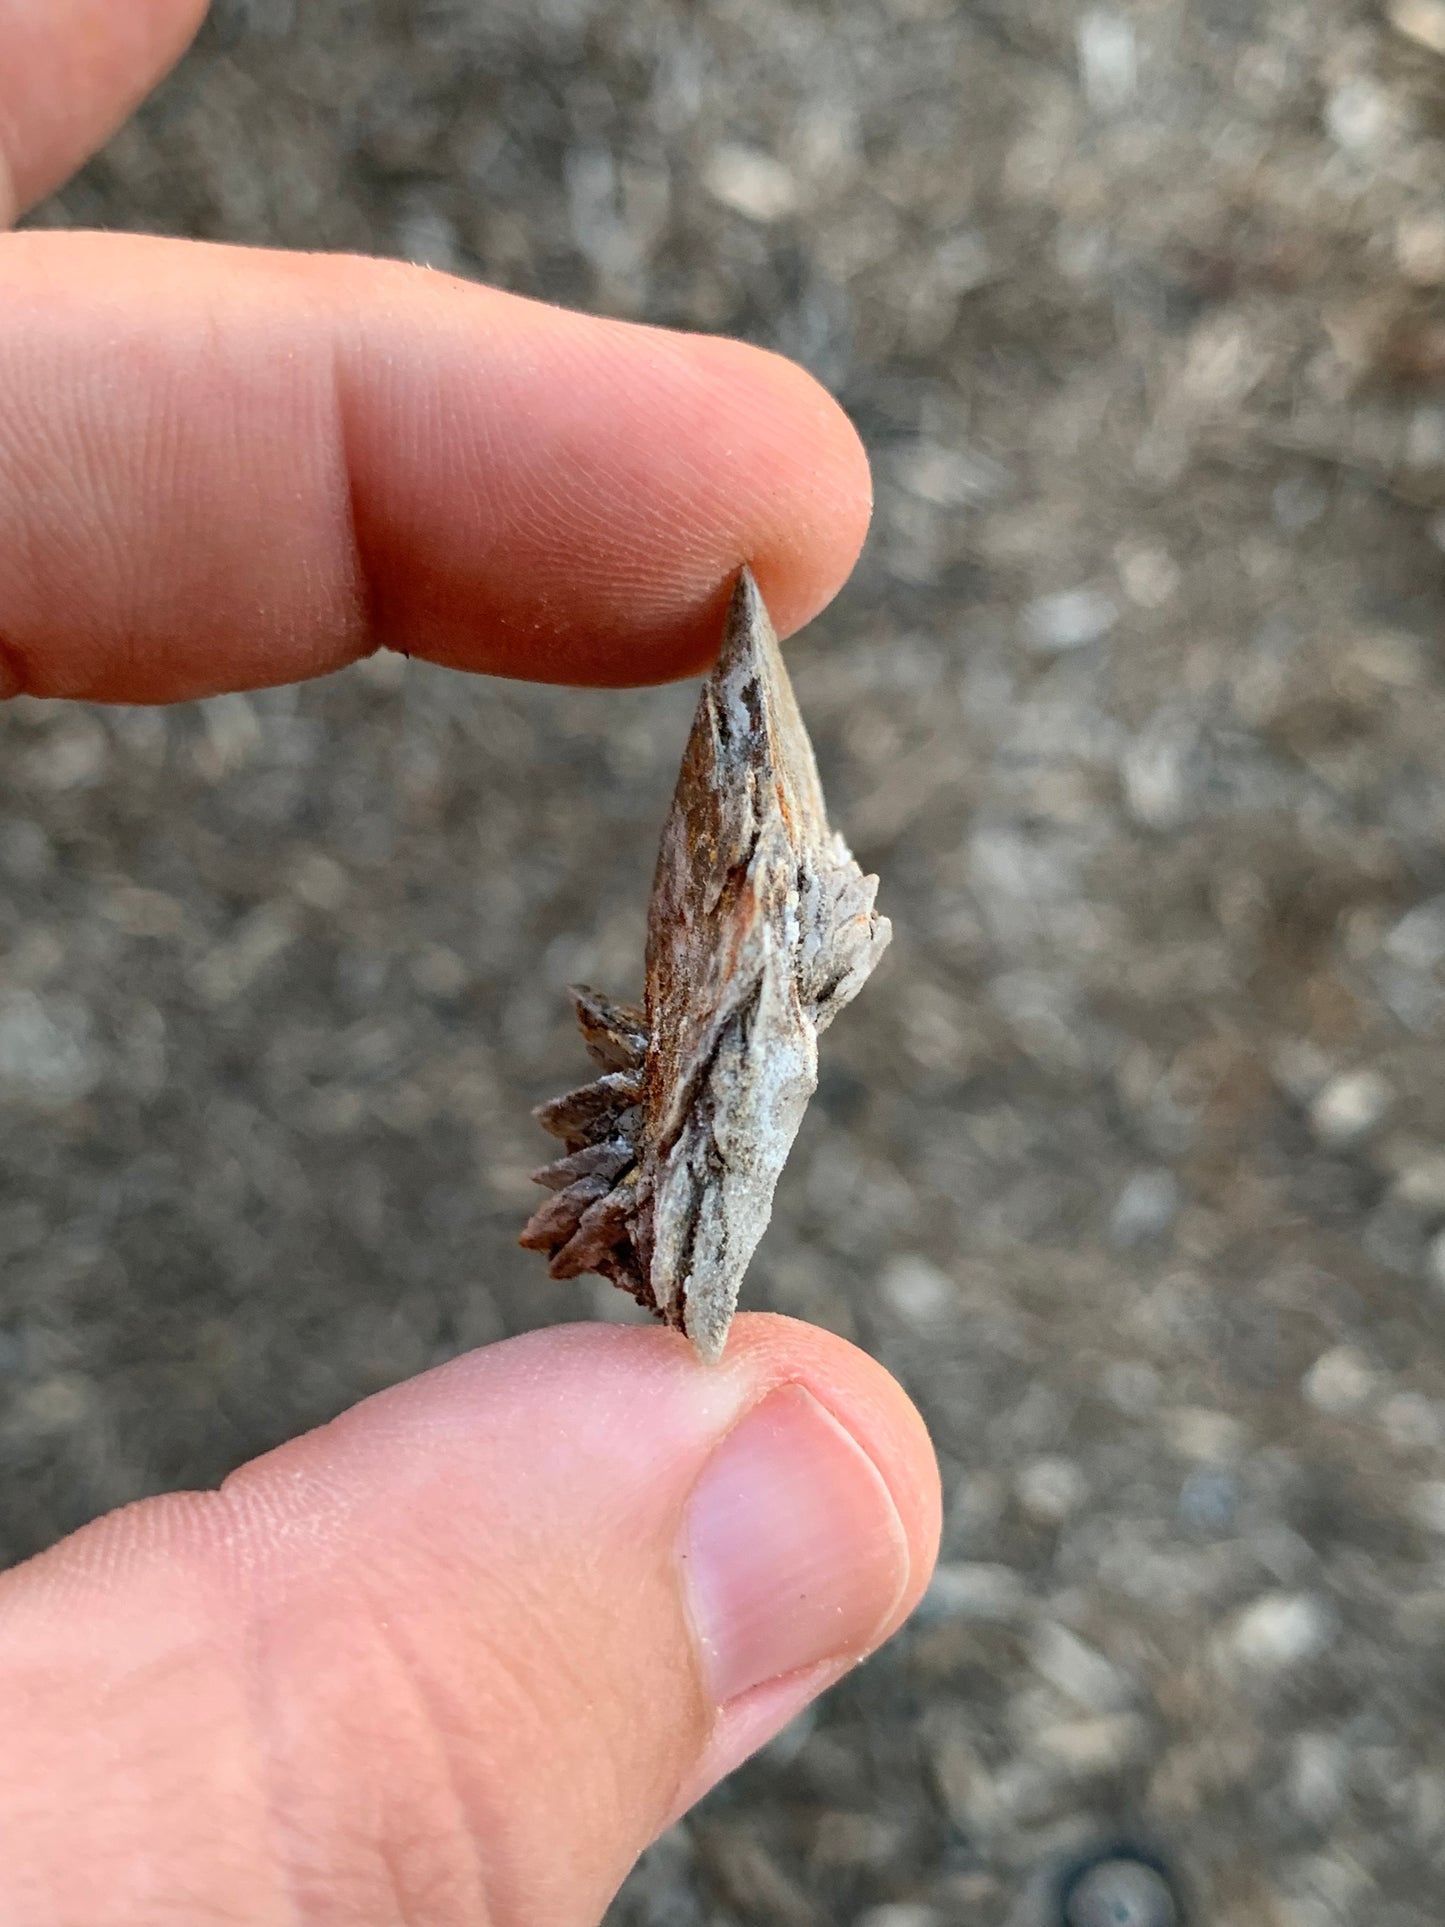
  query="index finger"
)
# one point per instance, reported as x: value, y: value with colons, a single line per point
x: 70, y: 72
x: 222, y: 468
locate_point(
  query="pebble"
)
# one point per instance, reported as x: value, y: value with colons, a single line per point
x: 1299, y: 501
x: 1051, y: 1489
x: 1427, y: 1504
x: 1420, y: 1182
x: 918, y: 1291
x: 1420, y: 249
x: 1070, y: 620
x: 1412, y: 1422
x: 750, y: 182
x: 1282, y: 1630
x: 26, y: 852
x: 1315, y: 1776
x: 1349, y: 1107
x: 1162, y: 771
x: 1120, y: 1893
x: 1108, y: 59
x: 1148, y: 571
x: 964, y: 1589
x: 1213, y: 1438
x: 1340, y: 1381
x: 1087, y: 1748
x: 1078, y: 1670
x: 1209, y: 1500
x: 47, y: 1056
x: 1146, y: 1209
x: 1360, y: 117
x: 1418, y: 939
x: 1130, y: 1385
x: 1425, y: 437
x: 951, y: 478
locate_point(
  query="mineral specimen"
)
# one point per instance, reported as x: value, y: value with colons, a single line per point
x: 761, y: 928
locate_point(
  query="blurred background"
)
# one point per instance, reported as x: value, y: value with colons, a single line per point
x: 1130, y: 1162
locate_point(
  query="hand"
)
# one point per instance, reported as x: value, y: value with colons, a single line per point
x: 458, y: 1656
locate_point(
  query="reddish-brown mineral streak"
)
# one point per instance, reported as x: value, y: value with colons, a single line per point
x: 760, y: 929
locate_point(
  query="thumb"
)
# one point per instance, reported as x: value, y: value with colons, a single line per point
x: 458, y: 1656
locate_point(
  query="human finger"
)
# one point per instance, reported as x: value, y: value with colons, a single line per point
x: 70, y: 73
x: 461, y: 1654
x: 222, y: 468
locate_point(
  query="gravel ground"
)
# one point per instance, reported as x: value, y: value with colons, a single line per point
x: 1131, y: 1162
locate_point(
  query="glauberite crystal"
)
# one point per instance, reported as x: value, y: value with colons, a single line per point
x: 761, y: 927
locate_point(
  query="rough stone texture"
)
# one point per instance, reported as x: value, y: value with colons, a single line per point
x: 1132, y: 1164
x: 760, y: 929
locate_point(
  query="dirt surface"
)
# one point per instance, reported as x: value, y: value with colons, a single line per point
x: 1131, y: 1162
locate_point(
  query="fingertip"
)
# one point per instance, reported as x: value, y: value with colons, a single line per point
x: 551, y: 1590
x: 486, y: 482
x: 625, y: 476
x: 73, y: 70
x: 807, y: 530
x: 870, y: 1404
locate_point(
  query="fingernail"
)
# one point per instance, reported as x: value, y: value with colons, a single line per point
x: 793, y: 1551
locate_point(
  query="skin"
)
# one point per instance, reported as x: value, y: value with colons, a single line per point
x: 435, y: 1662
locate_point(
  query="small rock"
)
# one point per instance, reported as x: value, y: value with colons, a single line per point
x: 1425, y: 437
x: 1148, y: 571
x: 1420, y: 248
x: 964, y: 1589
x: 1349, y: 1107
x: 1146, y: 1209
x: 1282, y: 1630
x: 232, y: 736
x: 1340, y: 1381
x: 427, y: 239
x: 1435, y: 1262
x: 845, y: 1839
x: 1298, y: 502
x: 1318, y: 1766
x: 59, y: 1403
x: 1209, y: 1499
x: 1051, y: 1489
x: 1070, y: 620
x: 1418, y: 939
x: 1213, y: 1438
x: 319, y: 880
x: 750, y: 182
x: 1360, y: 116
x: 1412, y: 1422
x: 437, y: 971
x: 1427, y: 1504
x: 1300, y: 1068
x: 950, y: 478
x: 1391, y: 1235
x: 1087, y: 1748
x: 917, y: 1290
x: 1420, y: 1182
x: 72, y: 756
x: 1108, y: 59
x: 26, y: 852
x: 1163, y: 769
x: 228, y: 969
x: 47, y: 1057
x: 900, y: 1913
x: 1131, y: 1386
x: 1120, y: 1892
x: 1079, y: 1671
